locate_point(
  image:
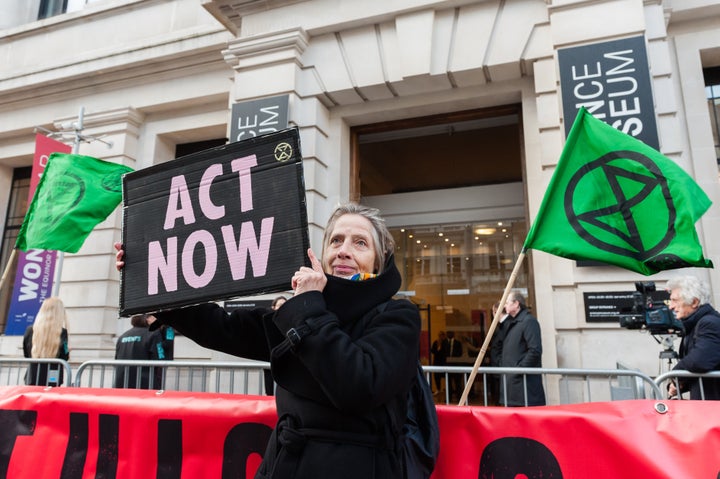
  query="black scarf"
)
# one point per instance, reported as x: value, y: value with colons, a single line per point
x: 351, y: 300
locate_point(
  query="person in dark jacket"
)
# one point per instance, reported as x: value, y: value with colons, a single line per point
x: 521, y: 348
x: 47, y: 338
x: 140, y: 344
x: 455, y: 352
x: 343, y: 355
x: 496, y: 352
x: 440, y: 349
x: 700, y: 347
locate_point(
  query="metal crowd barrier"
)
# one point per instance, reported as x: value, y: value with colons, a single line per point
x: 562, y: 385
x: 675, y: 375
x: 572, y: 385
x: 40, y: 372
x: 233, y: 377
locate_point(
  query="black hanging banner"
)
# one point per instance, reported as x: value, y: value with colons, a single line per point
x: 226, y: 222
x: 612, y: 80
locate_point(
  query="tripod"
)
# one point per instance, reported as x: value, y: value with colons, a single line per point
x: 668, y: 353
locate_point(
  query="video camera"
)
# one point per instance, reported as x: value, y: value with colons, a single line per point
x: 647, y: 313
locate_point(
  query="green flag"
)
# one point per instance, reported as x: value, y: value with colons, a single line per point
x: 75, y: 193
x: 614, y: 199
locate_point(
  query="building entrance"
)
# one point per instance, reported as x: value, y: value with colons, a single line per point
x: 451, y: 189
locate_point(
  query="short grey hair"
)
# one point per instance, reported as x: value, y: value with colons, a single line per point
x: 689, y: 288
x: 515, y: 296
x: 384, y: 242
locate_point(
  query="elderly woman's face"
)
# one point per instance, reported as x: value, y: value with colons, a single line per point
x: 350, y: 248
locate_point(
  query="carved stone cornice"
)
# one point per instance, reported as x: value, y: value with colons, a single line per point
x: 287, y: 45
x: 231, y: 12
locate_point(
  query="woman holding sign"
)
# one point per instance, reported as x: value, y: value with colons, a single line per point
x: 343, y: 354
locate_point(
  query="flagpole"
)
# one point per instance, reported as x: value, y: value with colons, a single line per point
x: 491, y: 330
x: 8, y: 267
x: 75, y: 150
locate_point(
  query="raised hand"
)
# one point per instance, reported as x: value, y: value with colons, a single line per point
x: 119, y: 263
x: 309, y: 279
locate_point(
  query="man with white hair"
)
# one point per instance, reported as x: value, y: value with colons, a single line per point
x: 700, y: 347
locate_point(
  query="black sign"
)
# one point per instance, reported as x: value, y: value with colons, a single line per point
x: 612, y: 80
x: 258, y: 117
x: 225, y: 222
x: 607, y: 306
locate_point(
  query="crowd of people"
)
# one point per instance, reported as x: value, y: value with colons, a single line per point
x: 344, y: 353
x: 516, y: 342
x: 354, y: 274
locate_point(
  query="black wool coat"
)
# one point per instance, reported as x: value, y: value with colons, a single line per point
x: 37, y: 374
x: 521, y: 348
x: 700, y: 351
x: 341, y: 395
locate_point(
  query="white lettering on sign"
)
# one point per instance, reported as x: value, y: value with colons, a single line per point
x: 268, y: 124
x: 591, y: 82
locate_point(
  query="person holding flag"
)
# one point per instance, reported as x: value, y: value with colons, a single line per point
x: 615, y: 200
x: 521, y: 348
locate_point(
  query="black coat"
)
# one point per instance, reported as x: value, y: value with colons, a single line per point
x: 341, y: 394
x: 440, y: 350
x: 700, y: 351
x: 496, y: 343
x: 141, y: 344
x: 37, y: 374
x: 522, y: 348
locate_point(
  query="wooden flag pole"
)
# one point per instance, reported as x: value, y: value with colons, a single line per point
x: 8, y: 267
x: 491, y: 330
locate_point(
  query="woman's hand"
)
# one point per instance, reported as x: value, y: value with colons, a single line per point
x: 309, y: 279
x: 119, y: 263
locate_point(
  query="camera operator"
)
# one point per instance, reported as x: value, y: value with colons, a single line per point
x: 700, y: 347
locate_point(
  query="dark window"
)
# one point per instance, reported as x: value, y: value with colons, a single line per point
x: 712, y: 93
x: 50, y: 8
x: 184, y: 149
x: 460, y: 149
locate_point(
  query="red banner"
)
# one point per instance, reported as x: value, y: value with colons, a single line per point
x: 90, y: 433
x: 44, y: 147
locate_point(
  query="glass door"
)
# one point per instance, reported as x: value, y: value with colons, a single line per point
x: 455, y: 273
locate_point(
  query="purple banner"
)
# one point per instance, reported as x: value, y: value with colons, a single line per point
x: 33, y: 283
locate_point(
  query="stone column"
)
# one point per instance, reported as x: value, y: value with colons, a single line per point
x: 270, y: 65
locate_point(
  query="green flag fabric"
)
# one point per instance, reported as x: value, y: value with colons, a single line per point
x: 616, y: 200
x: 74, y: 194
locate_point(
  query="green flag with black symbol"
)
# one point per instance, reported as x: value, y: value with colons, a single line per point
x: 74, y: 194
x: 616, y: 200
